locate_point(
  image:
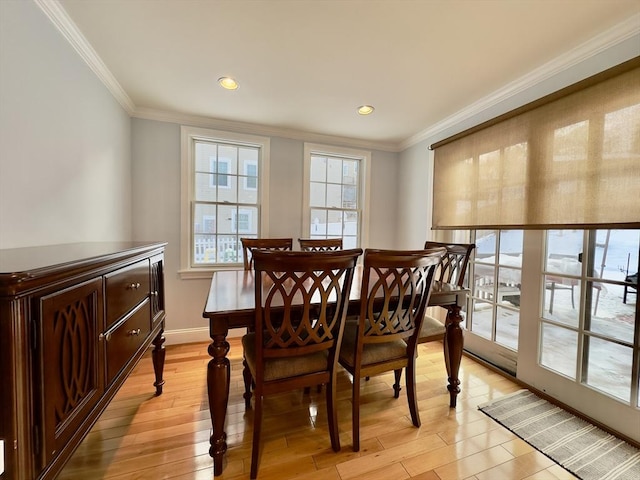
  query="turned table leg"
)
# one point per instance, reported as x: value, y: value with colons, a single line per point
x: 218, y: 377
x: 453, y: 343
x: 157, y: 356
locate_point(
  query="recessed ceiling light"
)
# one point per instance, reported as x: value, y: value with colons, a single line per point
x: 365, y: 109
x: 228, y: 83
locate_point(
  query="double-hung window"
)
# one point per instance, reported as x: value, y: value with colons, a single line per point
x: 224, y: 195
x: 336, y: 194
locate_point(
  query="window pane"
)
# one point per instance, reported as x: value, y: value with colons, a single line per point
x: 318, y: 169
x: 616, y: 255
x: 226, y: 217
x: 204, y: 218
x: 206, y: 155
x: 248, y: 155
x: 334, y: 227
x: 482, y: 318
x: 228, y: 249
x: 349, y: 197
x: 349, y: 242
x: 204, y: 249
x: 559, y: 349
x: 351, y: 223
x: 563, y: 248
x: 507, y: 327
x: 319, y: 222
x: 248, y: 191
x: 228, y: 192
x: 561, y: 297
x: 205, y: 187
x: 562, y: 283
x: 485, y: 243
x: 508, y: 291
x: 334, y: 170
x: 349, y: 172
x: 484, y: 281
x: 609, y: 367
x: 228, y: 159
x: 247, y: 221
x: 334, y: 196
x: 614, y: 305
x: 317, y: 194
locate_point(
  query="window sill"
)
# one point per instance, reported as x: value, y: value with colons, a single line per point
x: 204, y: 272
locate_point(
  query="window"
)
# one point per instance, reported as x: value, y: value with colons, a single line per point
x: 589, y: 305
x: 497, y: 272
x: 336, y: 194
x: 224, y: 196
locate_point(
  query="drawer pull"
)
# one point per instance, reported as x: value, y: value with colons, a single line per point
x: 134, y: 333
x: 134, y: 286
x: 105, y: 336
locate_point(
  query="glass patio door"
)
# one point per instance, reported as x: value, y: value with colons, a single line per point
x: 493, y: 314
x: 587, y: 353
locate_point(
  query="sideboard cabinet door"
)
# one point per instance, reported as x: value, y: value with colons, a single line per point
x: 72, y: 362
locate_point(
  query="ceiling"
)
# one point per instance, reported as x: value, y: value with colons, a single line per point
x: 306, y: 65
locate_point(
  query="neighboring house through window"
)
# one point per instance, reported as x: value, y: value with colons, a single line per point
x: 224, y: 196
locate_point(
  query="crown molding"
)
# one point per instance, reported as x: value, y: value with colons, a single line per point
x: 256, y: 129
x: 65, y: 25
x: 615, y: 35
x: 57, y: 15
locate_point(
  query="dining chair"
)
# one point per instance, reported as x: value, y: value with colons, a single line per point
x: 249, y: 244
x: 394, y: 293
x: 320, y: 244
x: 452, y: 269
x: 301, y: 302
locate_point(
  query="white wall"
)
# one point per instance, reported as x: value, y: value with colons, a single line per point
x: 65, y: 142
x: 156, y: 211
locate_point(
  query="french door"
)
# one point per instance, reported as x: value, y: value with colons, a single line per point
x: 569, y: 297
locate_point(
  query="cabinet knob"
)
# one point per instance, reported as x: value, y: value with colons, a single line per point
x: 154, y: 293
x: 134, y: 333
x: 105, y: 336
x: 134, y: 286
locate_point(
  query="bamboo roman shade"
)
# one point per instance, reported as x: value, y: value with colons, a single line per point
x: 569, y: 159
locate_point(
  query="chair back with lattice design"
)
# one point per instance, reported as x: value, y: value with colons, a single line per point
x: 398, y: 284
x: 250, y: 244
x: 453, y: 267
x: 320, y: 244
x: 301, y: 301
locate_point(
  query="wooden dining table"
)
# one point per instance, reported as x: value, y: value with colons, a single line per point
x: 231, y: 304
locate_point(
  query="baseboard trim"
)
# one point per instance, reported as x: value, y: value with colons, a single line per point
x: 194, y: 335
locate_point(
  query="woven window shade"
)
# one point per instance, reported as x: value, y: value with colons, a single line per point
x: 571, y: 159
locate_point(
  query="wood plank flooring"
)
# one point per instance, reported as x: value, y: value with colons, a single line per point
x: 141, y: 436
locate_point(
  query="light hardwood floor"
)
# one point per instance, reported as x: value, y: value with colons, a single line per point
x: 141, y: 436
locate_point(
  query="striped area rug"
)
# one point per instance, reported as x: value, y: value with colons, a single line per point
x: 584, y: 450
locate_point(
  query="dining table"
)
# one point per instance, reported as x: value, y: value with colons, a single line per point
x: 231, y: 304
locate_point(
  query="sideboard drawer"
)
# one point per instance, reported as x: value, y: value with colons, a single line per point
x: 124, y: 341
x: 125, y: 289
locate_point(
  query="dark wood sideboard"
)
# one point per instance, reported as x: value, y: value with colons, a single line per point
x: 74, y: 321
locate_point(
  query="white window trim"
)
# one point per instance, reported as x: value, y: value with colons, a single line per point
x: 187, y: 186
x: 365, y: 184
